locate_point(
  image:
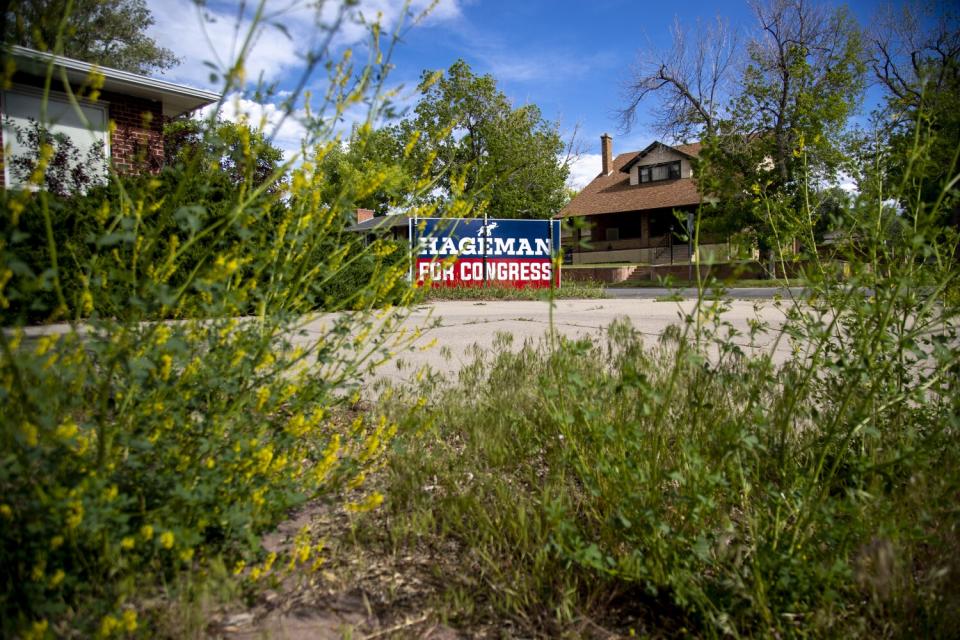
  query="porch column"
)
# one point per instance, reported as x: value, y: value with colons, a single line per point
x: 645, y: 228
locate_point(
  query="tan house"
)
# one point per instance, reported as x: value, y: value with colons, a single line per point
x: 630, y: 209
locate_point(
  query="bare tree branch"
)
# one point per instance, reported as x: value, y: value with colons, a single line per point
x: 915, y: 50
x: 689, y: 83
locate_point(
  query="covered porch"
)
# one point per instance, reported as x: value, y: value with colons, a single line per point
x: 636, y: 237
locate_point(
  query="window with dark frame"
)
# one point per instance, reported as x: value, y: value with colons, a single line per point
x: 657, y: 172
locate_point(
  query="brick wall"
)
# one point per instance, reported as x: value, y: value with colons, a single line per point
x: 136, y: 145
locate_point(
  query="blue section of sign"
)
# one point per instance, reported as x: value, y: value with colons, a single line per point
x: 493, y: 238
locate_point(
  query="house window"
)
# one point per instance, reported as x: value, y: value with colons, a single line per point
x: 656, y: 172
x: 21, y: 112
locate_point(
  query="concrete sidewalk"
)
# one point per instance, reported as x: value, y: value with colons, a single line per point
x: 463, y: 324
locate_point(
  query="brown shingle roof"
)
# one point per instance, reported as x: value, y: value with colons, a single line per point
x: 613, y: 193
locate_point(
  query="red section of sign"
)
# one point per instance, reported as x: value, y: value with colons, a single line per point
x: 469, y: 272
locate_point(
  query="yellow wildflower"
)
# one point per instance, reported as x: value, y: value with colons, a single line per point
x: 166, y: 540
x: 111, y: 493
x: 161, y: 335
x: 37, y: 630
x: 186, y: 555
x: 74, y: 514
x: 66, y: 430
x: 166, y: 363
x: 44, y: 344
x: 29, y: 433
x: 357, y: 481
x: 108, y: 625
x: 83, y: 443
x: 238, y: 568
x: 6, y: 511
x: 146, y: 531
x: 268, y: 563
x: 127, y: 543
x: 56, y: 542
x: 297, y: 426
x: 263, y: 394
x: 129, y: 620
x: 264, y: 457
x: 57, y: 578
x: 86, y: 302
x: 369, y: 503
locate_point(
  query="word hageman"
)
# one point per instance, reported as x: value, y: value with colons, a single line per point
x: 491, y: 247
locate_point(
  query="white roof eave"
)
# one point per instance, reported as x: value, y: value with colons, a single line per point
x: 176, y: 98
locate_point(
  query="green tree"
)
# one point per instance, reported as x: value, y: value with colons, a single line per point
x: 779, y: 126
x: 804, y: 80
x: 111, y: 33
x: 477, y: 142
x: 373, y: 158
x: 243, y: 153
x: 916, y: 60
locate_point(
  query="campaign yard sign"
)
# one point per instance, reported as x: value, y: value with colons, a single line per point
x: 472, y: 252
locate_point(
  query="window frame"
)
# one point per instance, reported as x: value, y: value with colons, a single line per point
x: 55, y: 96
x: 674, y: 170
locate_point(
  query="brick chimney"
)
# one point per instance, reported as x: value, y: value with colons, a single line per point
x: 606, y: 152
x: 363, y: 215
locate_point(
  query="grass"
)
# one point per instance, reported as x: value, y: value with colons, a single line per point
x: 568, y: 290
x: 727, y: 284
x: 688, y: 488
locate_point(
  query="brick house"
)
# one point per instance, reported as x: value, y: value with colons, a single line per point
x: 629, y: 208
x: 126, y: 115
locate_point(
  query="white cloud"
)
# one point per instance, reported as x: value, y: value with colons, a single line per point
x: 215, y: 37
x: 215, y: 34
x: 583, y: 170
x: 286, y: 133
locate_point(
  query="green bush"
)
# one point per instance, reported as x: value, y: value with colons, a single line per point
x: 181, y: 407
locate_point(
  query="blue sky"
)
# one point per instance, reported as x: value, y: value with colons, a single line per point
x: 571, y: 58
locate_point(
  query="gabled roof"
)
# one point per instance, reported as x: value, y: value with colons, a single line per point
x: 688, y: 150
x: 176, y: 98
x: 380, y: 223
x: 613, y: 193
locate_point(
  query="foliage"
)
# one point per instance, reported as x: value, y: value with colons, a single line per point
x: 917, y: 62
x: 112, y: 34
x: 371, y: 157
x: 479, y: 144
x: 136, y: 449
x: 803, y: 80
x: 243, y: 153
